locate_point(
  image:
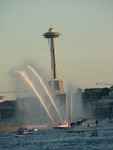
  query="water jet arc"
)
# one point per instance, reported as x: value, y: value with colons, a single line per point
x: 24, y: 75
x: 45, y: 88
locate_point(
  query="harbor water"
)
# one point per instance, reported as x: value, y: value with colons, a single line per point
x: 100, y: 139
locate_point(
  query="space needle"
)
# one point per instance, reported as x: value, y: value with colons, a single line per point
x: 56, y: 83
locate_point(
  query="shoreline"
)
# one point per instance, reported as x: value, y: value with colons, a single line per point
x: 8, y: 128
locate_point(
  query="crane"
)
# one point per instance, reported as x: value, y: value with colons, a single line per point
x: 12, y: 92
x: 103, y: 83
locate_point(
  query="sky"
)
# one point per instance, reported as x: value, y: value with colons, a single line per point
x: 84, y: 50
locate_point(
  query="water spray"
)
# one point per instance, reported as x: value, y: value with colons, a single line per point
x: 24, y: 75
x: 45, y: 88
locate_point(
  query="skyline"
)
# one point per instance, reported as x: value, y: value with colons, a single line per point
x: 84, y: 50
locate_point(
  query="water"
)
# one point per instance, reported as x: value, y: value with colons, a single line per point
x: 59, y: 139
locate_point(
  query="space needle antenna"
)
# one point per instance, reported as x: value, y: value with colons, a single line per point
x: 51, y: 25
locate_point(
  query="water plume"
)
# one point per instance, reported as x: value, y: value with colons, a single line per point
x: 24, y: 75
x: 74, y: 104
x: 46, y: 90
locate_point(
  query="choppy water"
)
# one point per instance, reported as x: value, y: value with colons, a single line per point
x: 59, y: 139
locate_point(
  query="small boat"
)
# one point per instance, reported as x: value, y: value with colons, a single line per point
x: 22, y: 131
x: 85, y: 125
x: 64, y: 125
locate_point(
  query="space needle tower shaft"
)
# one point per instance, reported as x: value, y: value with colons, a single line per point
x: 53, y: 60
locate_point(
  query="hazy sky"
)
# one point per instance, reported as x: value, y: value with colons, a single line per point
x: 84, y: 49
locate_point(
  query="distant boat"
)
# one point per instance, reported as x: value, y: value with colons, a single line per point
x: 79, y: 125
x: 89, y: 124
